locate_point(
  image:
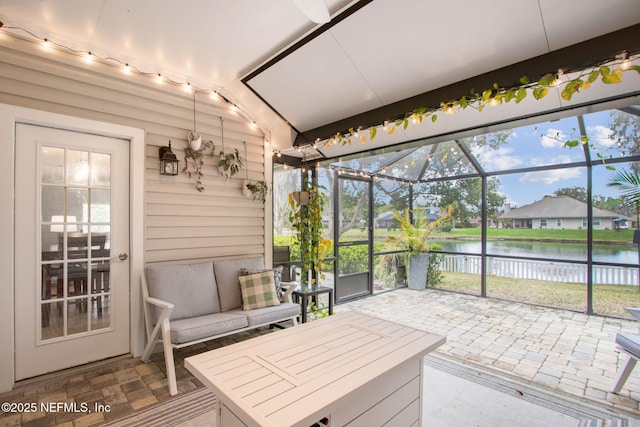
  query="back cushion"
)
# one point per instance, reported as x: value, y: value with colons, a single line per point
x: 191, y: 288
x: 227, y: 273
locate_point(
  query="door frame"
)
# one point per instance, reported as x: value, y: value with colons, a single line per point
x: 9, y: 116
x: 338, y: 245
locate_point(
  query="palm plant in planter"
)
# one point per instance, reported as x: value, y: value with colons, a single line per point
x: 413, y: 237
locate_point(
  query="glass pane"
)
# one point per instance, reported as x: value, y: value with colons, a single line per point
x: 389, y: 196
x: 446, y: 159
x: 354, y: 210
x: 52, y: 204
x: 52, y: 165
x: 100, y: 312
x: 77, y: 316
x: 326, y: 275
x: 77, y: 278
x: 528, y: 146
x: 549, y: 219
x: 77, y: 245
x: 326, y: 178
x: 285, y: 182
x: 100, y: 205
x: 621, y: 291
x: 78, y: 205
x: 460, y: 273
x: 390, y: 271
x: 100, y: 169
x: 52, y: 315
x: 52, y: 277
x: 548, y: 283
x: 77, y: 167
x: 100, y: 242
x: 100, y: 277
x: 432, y: 200
x: 613, y: 133
x: 353, y: 259
x: 616, y: 218
x: 50, y: 241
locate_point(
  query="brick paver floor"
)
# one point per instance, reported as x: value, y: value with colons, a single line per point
x: 553, y: 348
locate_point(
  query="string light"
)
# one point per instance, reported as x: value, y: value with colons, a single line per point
x: 90, y: 58
x: 558, y: 80
x: 625, y: 64
x: 46, y: 45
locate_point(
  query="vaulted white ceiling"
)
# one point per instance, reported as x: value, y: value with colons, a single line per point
x: 386, y: 51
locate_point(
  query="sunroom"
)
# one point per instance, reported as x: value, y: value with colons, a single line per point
x: 388, y: 104
x: 535, y: 216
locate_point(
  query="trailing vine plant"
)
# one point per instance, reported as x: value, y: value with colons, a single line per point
x: 305, y: 216
x: 609, y: 72
x: 194, y: 160
x: 230, y: 163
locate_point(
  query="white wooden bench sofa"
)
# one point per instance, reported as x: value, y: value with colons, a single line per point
x: 186, y: 304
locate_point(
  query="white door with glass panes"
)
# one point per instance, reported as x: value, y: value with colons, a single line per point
x: 71, y: 249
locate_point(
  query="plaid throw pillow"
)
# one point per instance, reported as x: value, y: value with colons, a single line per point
x: 258, y: 290
x: 277, y: 277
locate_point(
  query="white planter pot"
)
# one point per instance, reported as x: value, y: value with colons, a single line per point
x: 195, y: 141
x: 245, y: 191
x: 418, y: 267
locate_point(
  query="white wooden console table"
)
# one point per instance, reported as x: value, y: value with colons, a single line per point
x: 348, y: 369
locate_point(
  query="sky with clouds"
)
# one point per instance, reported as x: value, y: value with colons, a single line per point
x: 544, y: 144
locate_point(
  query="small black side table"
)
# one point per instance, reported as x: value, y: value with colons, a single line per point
x: 303, y: 292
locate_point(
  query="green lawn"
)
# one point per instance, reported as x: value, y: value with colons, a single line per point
x: 599, y: 236
x: 607, y: 299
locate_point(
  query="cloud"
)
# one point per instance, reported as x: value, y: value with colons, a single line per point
x: 557, y: 160
x: 550, y: 176
x: 600, y: 135
x: 553, y: 138
x: 500, y: 159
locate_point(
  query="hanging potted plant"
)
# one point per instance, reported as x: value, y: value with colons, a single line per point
x: 413, y: 237
x: 230, y: 163
x: 194, y: 160
x: 256, y: 190
x: 305, y: 216
x: 195, y: 152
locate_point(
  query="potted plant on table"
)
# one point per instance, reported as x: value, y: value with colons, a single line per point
x: 413, y: 237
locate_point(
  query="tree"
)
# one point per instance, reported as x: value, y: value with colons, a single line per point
x: 578, y: 193
x: 625, y: 129
x: 629, y: 183
x: 466, y: 196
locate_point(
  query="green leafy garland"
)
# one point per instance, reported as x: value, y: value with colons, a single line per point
x: 498, y: 95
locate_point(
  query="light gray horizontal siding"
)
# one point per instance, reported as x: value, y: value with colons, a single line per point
x: 181, y: 224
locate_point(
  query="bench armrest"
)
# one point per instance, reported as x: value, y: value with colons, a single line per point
x: 158, y: 302
x: 289, y: 287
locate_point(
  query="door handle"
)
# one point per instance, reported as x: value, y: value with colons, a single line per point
x: 122, y: 257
